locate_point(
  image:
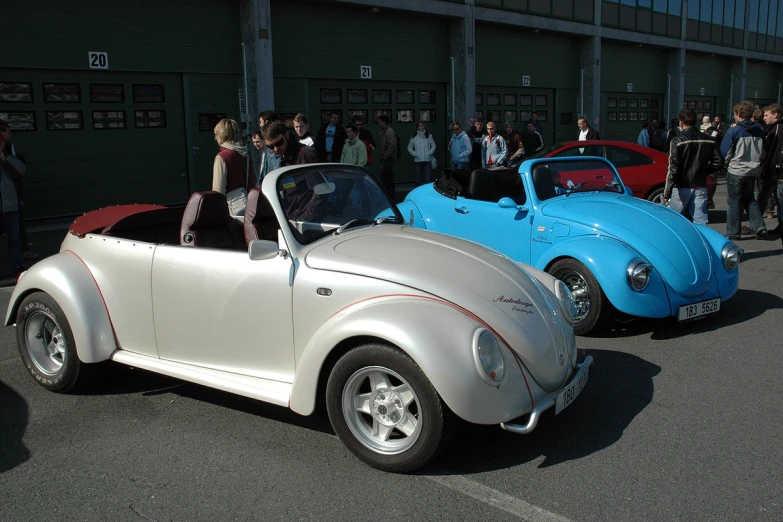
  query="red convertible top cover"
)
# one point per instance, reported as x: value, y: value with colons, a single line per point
x: 97, y: 220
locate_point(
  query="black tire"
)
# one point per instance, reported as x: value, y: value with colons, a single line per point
x: 46, y: 344
x: 401, y: 452
x: 656, y: 196
x: 593, y: 308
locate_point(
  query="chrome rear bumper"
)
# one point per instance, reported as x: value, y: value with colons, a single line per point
x: 523, y: 429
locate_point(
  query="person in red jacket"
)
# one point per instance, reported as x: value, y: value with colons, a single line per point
x: 230, y: 169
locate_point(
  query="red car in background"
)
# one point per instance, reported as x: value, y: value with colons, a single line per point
x: 642, y: 168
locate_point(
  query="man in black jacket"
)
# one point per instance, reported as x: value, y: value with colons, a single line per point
x: 586, y: 132
x: 330, y: 139
x: 693, y: 155
x: 770, y: 184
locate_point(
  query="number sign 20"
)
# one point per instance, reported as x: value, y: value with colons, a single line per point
x: 98, y: 60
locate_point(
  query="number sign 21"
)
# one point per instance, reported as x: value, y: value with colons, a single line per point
x: 98, y: 60
x: 365, y: 72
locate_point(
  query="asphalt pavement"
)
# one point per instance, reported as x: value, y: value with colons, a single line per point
x: 678, y: 422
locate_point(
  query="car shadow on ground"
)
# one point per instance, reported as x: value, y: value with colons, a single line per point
x: 619, y: 388
x: 14, y: 415
x: 118, y: 379
x: 744, y: 306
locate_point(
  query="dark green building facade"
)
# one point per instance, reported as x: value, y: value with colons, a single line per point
x: 115, y: 103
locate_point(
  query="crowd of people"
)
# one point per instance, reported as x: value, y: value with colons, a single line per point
x: 750, y: 150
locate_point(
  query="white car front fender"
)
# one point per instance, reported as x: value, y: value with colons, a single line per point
x: 438, y: 336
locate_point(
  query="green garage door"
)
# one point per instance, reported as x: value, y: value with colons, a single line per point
x: 703, y: 105
x: 93, y: 138
x: 515, y: 104
x: 406, y: 103
x: 625, y: 113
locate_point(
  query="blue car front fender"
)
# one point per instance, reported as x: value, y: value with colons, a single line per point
x: 607, y: 259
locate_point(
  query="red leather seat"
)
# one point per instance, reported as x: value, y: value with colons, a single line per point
x: 207, y: 223
x: 260, y: 219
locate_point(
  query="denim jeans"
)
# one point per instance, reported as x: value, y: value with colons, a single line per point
x: 740, y: 196
x: 11, y: 226
x: 766, y: 190
x: 691, y: 203
x: 461, y: 166
x: 423, y: 172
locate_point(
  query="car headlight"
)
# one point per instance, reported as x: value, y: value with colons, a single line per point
x: 731, y: 255
x: 638, y: 273
x: 567, y: 303
x: 488, y: 355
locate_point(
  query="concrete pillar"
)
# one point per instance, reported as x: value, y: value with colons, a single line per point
x: 256, y: 27
x: 590, y: 84
x: 462, y: 32
x: 675, y: 70
x: 739, y: 67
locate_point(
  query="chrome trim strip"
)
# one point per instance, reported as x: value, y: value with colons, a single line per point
x: 523, y: 429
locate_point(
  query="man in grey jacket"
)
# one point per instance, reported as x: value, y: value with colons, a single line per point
x: 743, y: 147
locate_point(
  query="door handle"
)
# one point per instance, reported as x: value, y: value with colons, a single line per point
x: 462, y: 210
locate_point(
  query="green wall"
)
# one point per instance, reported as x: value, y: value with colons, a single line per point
x: 713, y: 73
x: 762, y: 77
x: 142, y: 35
x: 504, y: 55
x: 332, y: 42
x: 625, y: 63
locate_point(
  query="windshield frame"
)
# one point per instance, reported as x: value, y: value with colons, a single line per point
x: 311, y: 217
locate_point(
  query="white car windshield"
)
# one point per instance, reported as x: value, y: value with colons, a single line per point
x: 319, y: 201
x: 562, y: 178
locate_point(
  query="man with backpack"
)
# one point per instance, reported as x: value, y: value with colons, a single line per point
x: 390, y: 152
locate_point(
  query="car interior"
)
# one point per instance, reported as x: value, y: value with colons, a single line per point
x: 204, y: 222
x: 482, y: 184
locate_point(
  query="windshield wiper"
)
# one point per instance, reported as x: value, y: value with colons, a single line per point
x: 358, y: 221
x: 386, y: 219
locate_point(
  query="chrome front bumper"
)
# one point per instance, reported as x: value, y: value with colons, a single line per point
x: 532, y: 422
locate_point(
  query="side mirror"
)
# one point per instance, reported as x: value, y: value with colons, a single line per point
x: 324, y: 188
x: 507, y: 203
x: 260, y: 249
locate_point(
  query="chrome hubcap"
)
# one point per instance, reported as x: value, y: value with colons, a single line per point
x: 579, y: 289
x: 382, y: 410
x: 46, y: 343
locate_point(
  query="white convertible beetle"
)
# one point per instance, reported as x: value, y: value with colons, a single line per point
x: 399, y: 328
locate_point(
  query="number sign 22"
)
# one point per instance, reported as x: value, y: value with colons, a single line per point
x: 98, y: 60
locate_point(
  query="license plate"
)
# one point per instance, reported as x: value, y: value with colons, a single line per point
x: 695, y: 310
x: 572, y: 391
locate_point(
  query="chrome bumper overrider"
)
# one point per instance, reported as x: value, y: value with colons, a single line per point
x: 532, y: 422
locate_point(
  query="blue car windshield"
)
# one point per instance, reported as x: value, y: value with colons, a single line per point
x: 321, y: 201
x: 562, y: 178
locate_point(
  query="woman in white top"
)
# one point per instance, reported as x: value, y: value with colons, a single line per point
x: 422, y: 148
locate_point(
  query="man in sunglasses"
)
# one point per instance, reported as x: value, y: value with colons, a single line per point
x: 289, y: 150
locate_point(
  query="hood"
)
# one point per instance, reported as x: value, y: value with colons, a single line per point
x: 671, y: 243
x: 235, y: 146
x: 490, y: 286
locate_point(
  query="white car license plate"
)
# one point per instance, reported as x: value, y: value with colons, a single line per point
x: 692, y: 311
x: 572, y: 391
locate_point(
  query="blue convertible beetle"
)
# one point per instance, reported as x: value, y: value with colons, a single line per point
x: 575, y: 219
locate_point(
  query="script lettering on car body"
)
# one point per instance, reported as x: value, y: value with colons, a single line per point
x: 519, y: 305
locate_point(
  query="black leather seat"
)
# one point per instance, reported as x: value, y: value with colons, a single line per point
x: 207, y: 223
x: 482, y: 186
x: 260, y: 219
x: 543, y: 182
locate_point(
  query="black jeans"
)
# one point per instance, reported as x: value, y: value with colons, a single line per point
x: 387, y: 177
